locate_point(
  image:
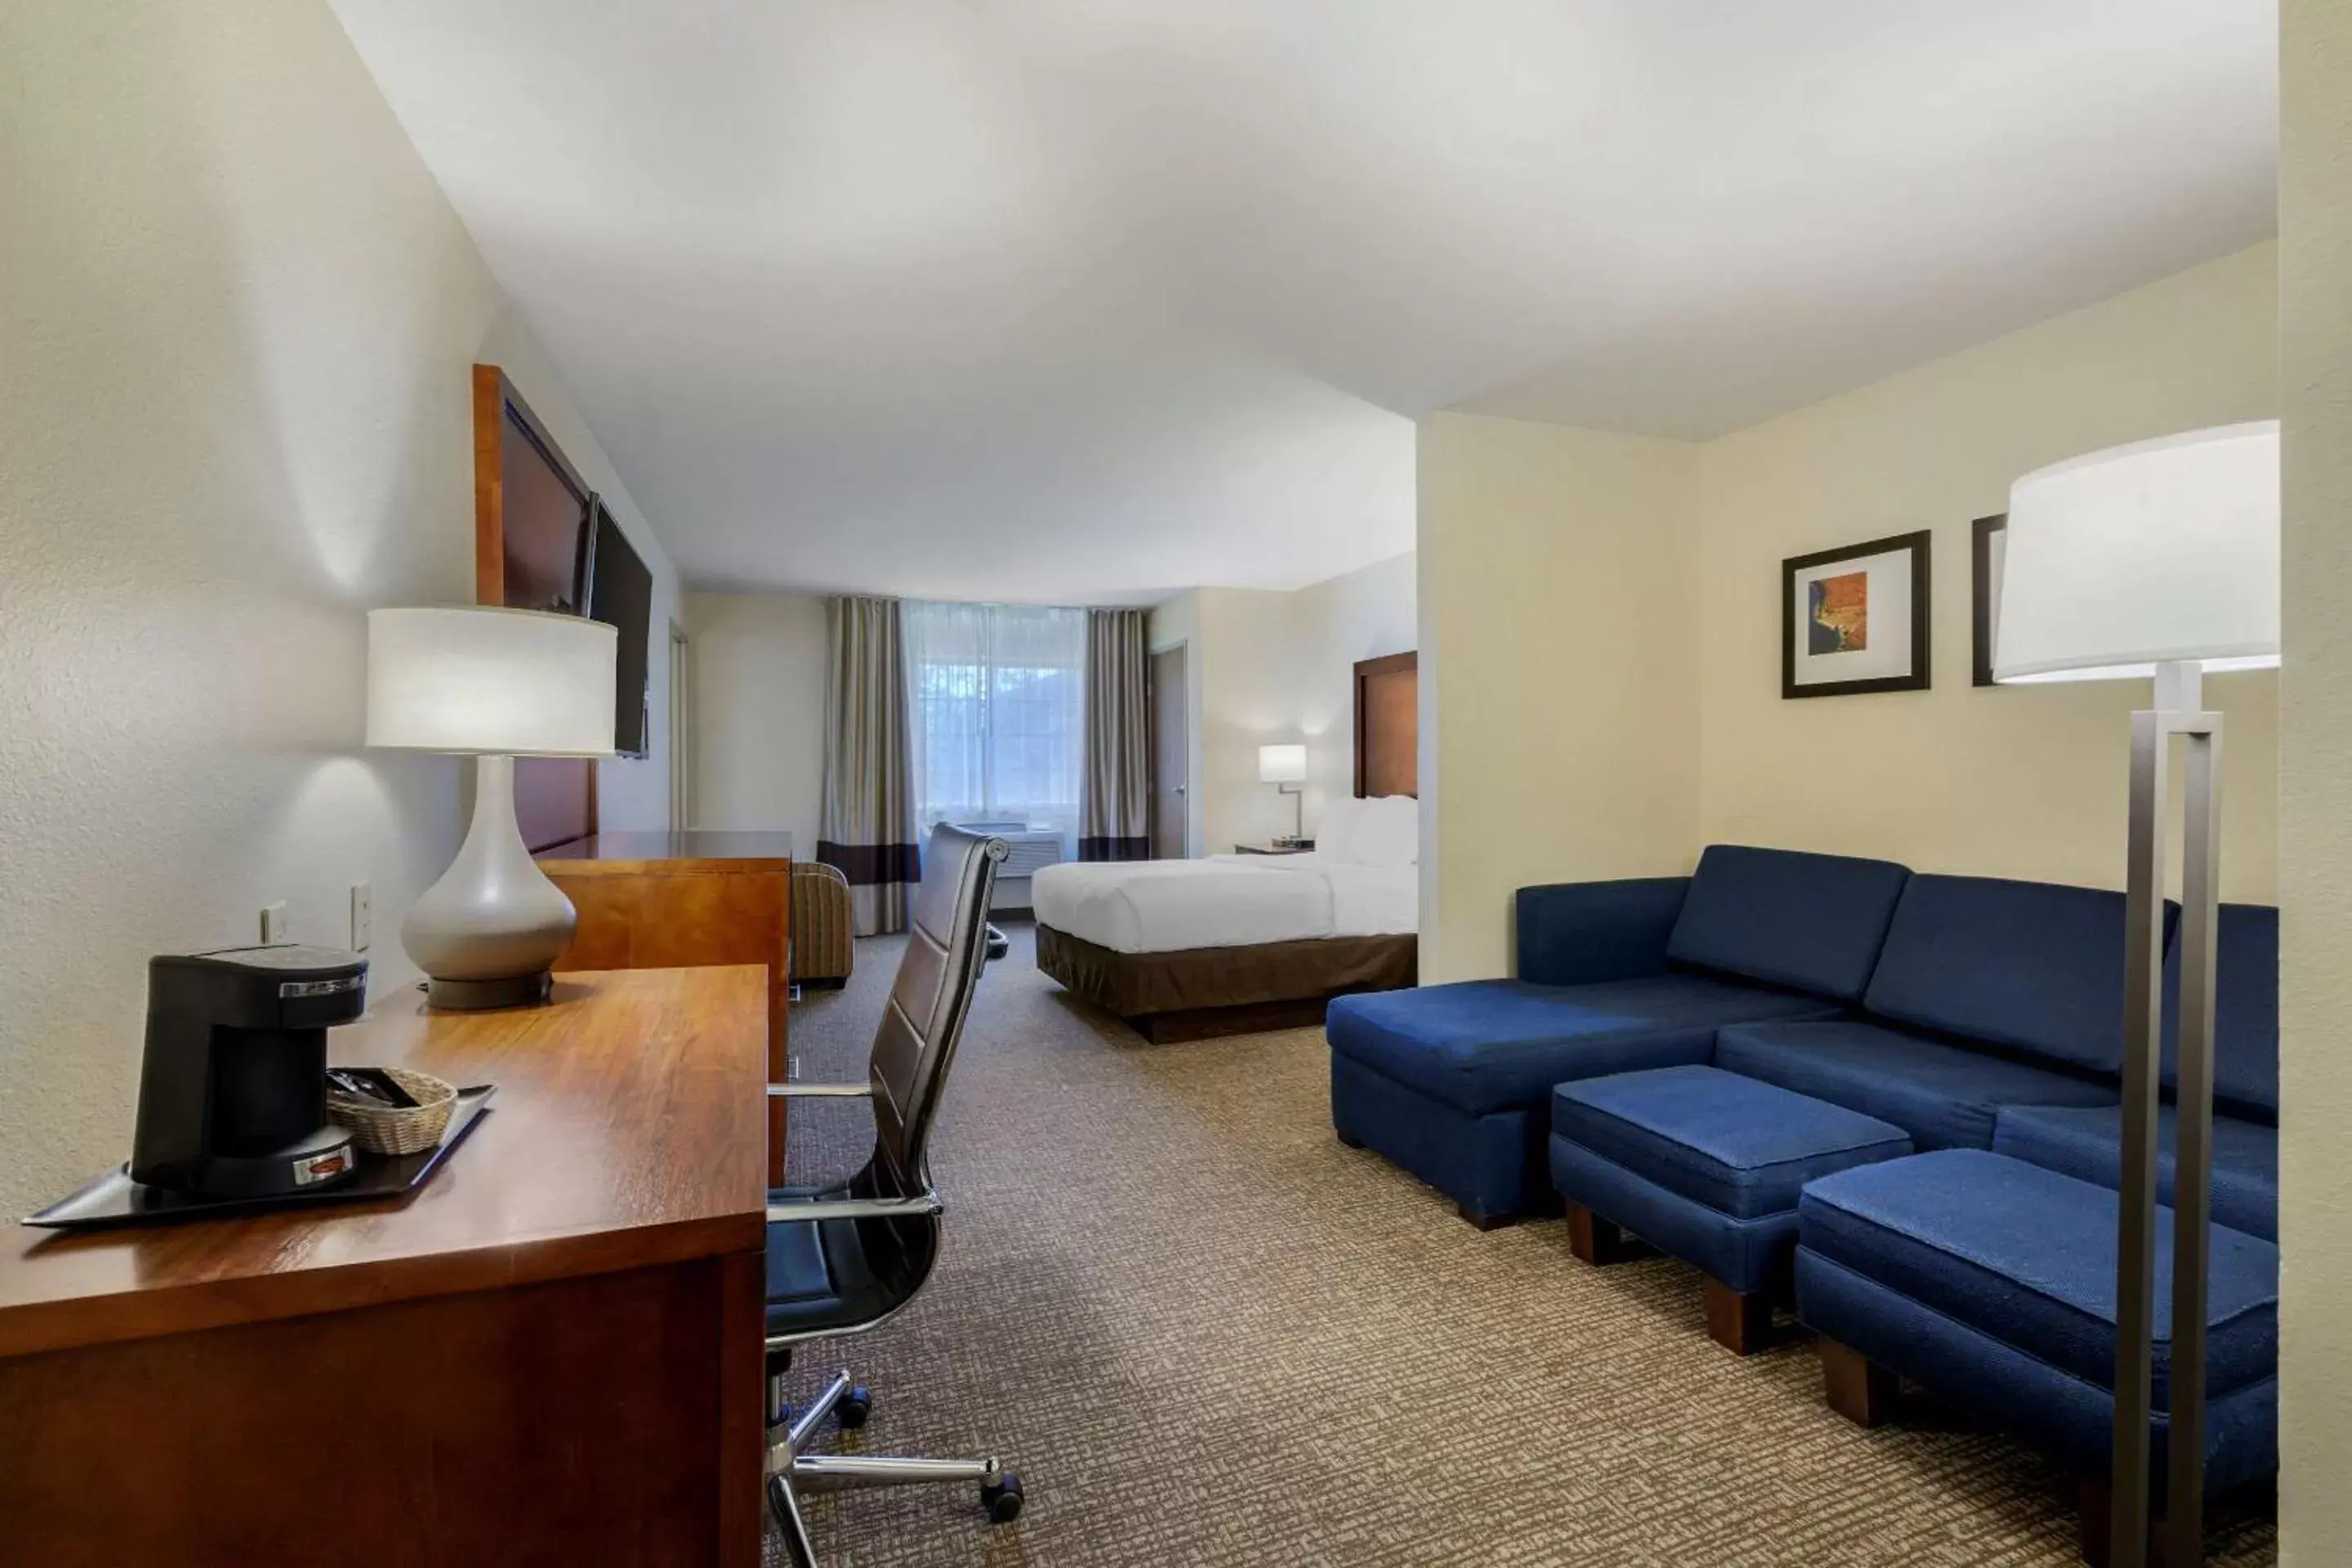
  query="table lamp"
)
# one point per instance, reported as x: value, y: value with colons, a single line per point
x: 2157, y: 558
x: 494, y: 685
x: 1285, y: 768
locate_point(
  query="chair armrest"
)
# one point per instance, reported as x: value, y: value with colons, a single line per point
x: 820, y: 1091
x: 918, y: 1207
x: 1576, y: 933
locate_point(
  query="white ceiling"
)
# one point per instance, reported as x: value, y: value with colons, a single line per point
x: 1094, y: 299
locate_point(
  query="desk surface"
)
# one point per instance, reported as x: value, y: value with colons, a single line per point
x: 628, y: 1131
x: 690, y: 848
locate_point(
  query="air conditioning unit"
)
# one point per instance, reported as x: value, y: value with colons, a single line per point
x: 1032, y: 847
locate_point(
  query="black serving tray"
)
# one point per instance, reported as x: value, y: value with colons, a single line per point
x: 115, y: 1199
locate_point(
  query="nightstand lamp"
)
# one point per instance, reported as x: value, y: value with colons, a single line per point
x: 2157, y: 558
x: 1285, y: 767
x: 494, y: 685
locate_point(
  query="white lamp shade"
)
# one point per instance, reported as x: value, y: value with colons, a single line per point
x: 2161, y: 550
x: 514, y: 683
x: 1281, y: 764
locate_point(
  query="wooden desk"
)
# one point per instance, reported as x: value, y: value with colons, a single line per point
x: 673, y: 901
x: 550, y: 1354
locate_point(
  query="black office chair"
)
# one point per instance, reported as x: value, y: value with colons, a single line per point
x: 843, y: 1259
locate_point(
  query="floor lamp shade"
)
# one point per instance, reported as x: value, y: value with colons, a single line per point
x: 514, y: 683
x: 2162, y: 552
x: 497, y: 685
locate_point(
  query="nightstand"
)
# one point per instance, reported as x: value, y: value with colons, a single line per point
x: 1305, y: 848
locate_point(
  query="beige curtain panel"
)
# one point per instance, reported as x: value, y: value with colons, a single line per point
x: 867, y: 832
x: 1114, y: 819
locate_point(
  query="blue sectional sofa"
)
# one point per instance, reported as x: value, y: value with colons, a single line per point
x: 1453, y: 1082
x: 1896, y: 1093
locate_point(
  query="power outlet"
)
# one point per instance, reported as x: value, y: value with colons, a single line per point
x: 362, y: 917
x: 273, y: 924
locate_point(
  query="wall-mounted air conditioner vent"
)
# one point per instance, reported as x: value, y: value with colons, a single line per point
x: 1033, y: 848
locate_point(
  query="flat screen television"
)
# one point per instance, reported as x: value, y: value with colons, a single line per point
x: 621, y: 594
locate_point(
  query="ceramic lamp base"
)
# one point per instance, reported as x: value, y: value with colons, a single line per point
x: 473, y: 995
x: 488, y: 933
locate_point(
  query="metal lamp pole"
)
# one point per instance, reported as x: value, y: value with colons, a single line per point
x: 2179, y: 712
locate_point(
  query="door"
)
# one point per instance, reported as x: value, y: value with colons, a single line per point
x: 1172, y: 755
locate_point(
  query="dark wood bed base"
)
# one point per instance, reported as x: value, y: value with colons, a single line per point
x: 1206, y: 992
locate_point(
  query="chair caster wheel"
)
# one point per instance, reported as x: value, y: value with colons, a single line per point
x: 1001, y: 1498
x: 854, y: 1408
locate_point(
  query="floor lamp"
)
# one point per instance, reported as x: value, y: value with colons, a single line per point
x: 2158, y: 559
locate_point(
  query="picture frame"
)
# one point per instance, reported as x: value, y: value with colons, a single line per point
x: 1854, y: 620
x: 1988, y: 538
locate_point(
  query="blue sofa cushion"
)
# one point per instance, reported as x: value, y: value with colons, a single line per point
x: 2245, y: 1012
x: 1812, y: 923
x: 2028, y: 1256
x: 1942, y: 1096
x: 1575, y: 933
x: 1739, y: 1146
x: 2033, y: 966
x: 2089, y: 1143
x: 1486, y: 1045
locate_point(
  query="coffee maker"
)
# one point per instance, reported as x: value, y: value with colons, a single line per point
x: 233, y: 1093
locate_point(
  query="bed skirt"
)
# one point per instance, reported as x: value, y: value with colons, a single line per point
x: 1206, y: 991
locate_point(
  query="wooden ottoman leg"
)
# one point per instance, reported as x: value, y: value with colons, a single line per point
x: 1741, y: 1324
x: 1349, y: 1142
x: 1595, y: 1240
x: 1485, y: 1221
x: 1857, y: 1388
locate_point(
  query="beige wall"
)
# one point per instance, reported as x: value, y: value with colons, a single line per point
x: 1558, y: 676
x: 1247, y: 651
x: 2021, y: 782
x: 759, y: 689
x: 1266, y: 667
x: 1365, y: 613
x: 2315, y: 784
x: 236, y: 317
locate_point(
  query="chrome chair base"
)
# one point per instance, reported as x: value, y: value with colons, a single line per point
x: 791, y: 1466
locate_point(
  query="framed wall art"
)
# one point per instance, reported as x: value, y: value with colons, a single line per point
x: 1855, y: 619
x: 1988, y: 537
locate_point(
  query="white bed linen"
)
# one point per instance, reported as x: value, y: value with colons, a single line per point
x: 1225, y: 900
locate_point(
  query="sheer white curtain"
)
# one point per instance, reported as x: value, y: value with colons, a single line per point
x: 997, y: 699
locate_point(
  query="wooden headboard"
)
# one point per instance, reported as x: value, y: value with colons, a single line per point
x: 1388, y: 725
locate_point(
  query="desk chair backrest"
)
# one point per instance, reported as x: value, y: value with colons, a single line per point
x: 947, y: 944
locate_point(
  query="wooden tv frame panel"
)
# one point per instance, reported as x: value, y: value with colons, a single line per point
x: 494, y: 395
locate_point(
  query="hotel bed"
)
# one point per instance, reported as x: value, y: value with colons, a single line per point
x: 1188, y: 949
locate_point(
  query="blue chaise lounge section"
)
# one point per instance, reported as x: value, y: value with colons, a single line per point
x: 1453, y: 1082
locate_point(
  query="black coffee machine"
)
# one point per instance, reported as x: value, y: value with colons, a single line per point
x: 233, y: 1093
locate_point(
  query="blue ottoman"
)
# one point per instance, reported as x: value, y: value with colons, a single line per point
x: 1706, y: 1165
x: 1991, y: 1283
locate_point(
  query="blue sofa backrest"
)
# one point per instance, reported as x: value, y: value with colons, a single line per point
x: 1811, y: 923
x: 2245, y: 1013
x: 2031, y: 966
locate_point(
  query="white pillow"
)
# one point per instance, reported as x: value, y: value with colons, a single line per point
x: 1336, y: 835
x: 1388, y: 832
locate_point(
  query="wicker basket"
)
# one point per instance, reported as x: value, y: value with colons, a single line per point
x: 398, y: 1129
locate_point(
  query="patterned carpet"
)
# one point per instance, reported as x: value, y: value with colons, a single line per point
x: 1205, y: 1333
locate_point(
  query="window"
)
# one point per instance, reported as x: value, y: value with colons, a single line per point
x: 997, y: 699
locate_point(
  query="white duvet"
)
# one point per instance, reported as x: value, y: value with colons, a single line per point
x: 1225, y: 900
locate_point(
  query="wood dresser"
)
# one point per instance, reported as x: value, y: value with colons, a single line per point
x: 670, y: 901
x: 548, y: 1354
